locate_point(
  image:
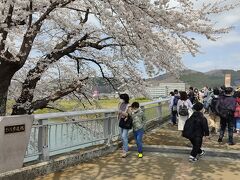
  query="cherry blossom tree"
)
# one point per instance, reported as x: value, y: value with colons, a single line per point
x: 73, y: 40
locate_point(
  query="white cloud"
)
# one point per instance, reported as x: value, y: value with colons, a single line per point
x: 228, y: 18
x: 236, y: 57
x: 226, y: 39
x: 223, y: 53
x: 218, y: 63
x: 202, y: 65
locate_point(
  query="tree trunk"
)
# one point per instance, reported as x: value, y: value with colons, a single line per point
x: 30, y: 107
x: 3, y: 98
x: 7, y: 70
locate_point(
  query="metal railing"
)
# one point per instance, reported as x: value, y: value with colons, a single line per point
x: 56, y: 133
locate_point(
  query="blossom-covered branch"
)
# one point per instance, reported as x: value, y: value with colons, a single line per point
x: 36, y: 37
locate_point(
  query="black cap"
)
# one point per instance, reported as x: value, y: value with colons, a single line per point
x: 198, y: 106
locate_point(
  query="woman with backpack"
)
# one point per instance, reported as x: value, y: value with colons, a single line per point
x: 226, y: 107
x: 184, y: 109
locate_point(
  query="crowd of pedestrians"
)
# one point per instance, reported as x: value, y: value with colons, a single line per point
x: 188, y: 109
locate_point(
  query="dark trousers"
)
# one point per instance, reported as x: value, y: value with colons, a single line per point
x: 174, y: 117
x: 196, y: 148
x: 234, y: 124
x: 223, y: 124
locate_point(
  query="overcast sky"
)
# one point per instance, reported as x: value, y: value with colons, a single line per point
x: 223, y: 53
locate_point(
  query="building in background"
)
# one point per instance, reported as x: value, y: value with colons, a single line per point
x: 227, y: 80
x: 163, y: 89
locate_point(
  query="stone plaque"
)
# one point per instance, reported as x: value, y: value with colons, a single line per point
x: 14, y: 129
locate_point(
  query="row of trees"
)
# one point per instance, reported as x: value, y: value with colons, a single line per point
x: 73, y: 40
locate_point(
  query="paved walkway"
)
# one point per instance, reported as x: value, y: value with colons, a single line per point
x: 156, y: 166
x: 169, y: 135
x: 153, y: 166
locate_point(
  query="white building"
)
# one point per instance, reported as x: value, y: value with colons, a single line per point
x: 163, y: 89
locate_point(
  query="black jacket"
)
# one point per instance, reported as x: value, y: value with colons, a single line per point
x: 201, y: 124
x: 226, y: 101
x: 191, y: 96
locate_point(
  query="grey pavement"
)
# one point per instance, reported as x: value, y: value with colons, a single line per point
x: 152, y: 166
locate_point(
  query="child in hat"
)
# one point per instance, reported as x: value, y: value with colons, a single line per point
x: 199, y: 129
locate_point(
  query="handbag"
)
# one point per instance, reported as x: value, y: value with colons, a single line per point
x: 126, y: 123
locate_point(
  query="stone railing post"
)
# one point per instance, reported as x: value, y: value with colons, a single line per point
x: 43, y: 140
x: 107, y: 128
x: 159, y: 112
x: 143, y: 110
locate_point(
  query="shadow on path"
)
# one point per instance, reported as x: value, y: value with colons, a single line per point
x: 152, y: 166
x: 169, y: 135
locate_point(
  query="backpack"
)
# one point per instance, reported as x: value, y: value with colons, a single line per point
x: 175, y: 101
x: 189, y: 128
x: 223, y: 111
x: 213, y: 105
x: 183, y: 110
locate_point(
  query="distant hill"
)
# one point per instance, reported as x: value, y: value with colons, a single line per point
x: 164, y: 78
x: 214, y: 78
x: 198, y: 79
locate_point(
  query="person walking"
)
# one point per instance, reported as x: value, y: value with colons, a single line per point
x: 184, y: 109
x: 196, y: 96
x: 201, y: 95
x: 173, y: 107
x: 195, y: 129
x: 226, y: 107
x: 207, y: 94
x: 139, y: 122
x: 214, y: 118
x: 170, y: 106
x: 191, y: 95
x: 123, y: 109
x: 237, y: 113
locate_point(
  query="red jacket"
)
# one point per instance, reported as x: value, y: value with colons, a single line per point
x: 237, y: 111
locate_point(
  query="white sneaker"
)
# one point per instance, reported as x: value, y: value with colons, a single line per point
x: 202, y: 153
x: 192, y: 159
